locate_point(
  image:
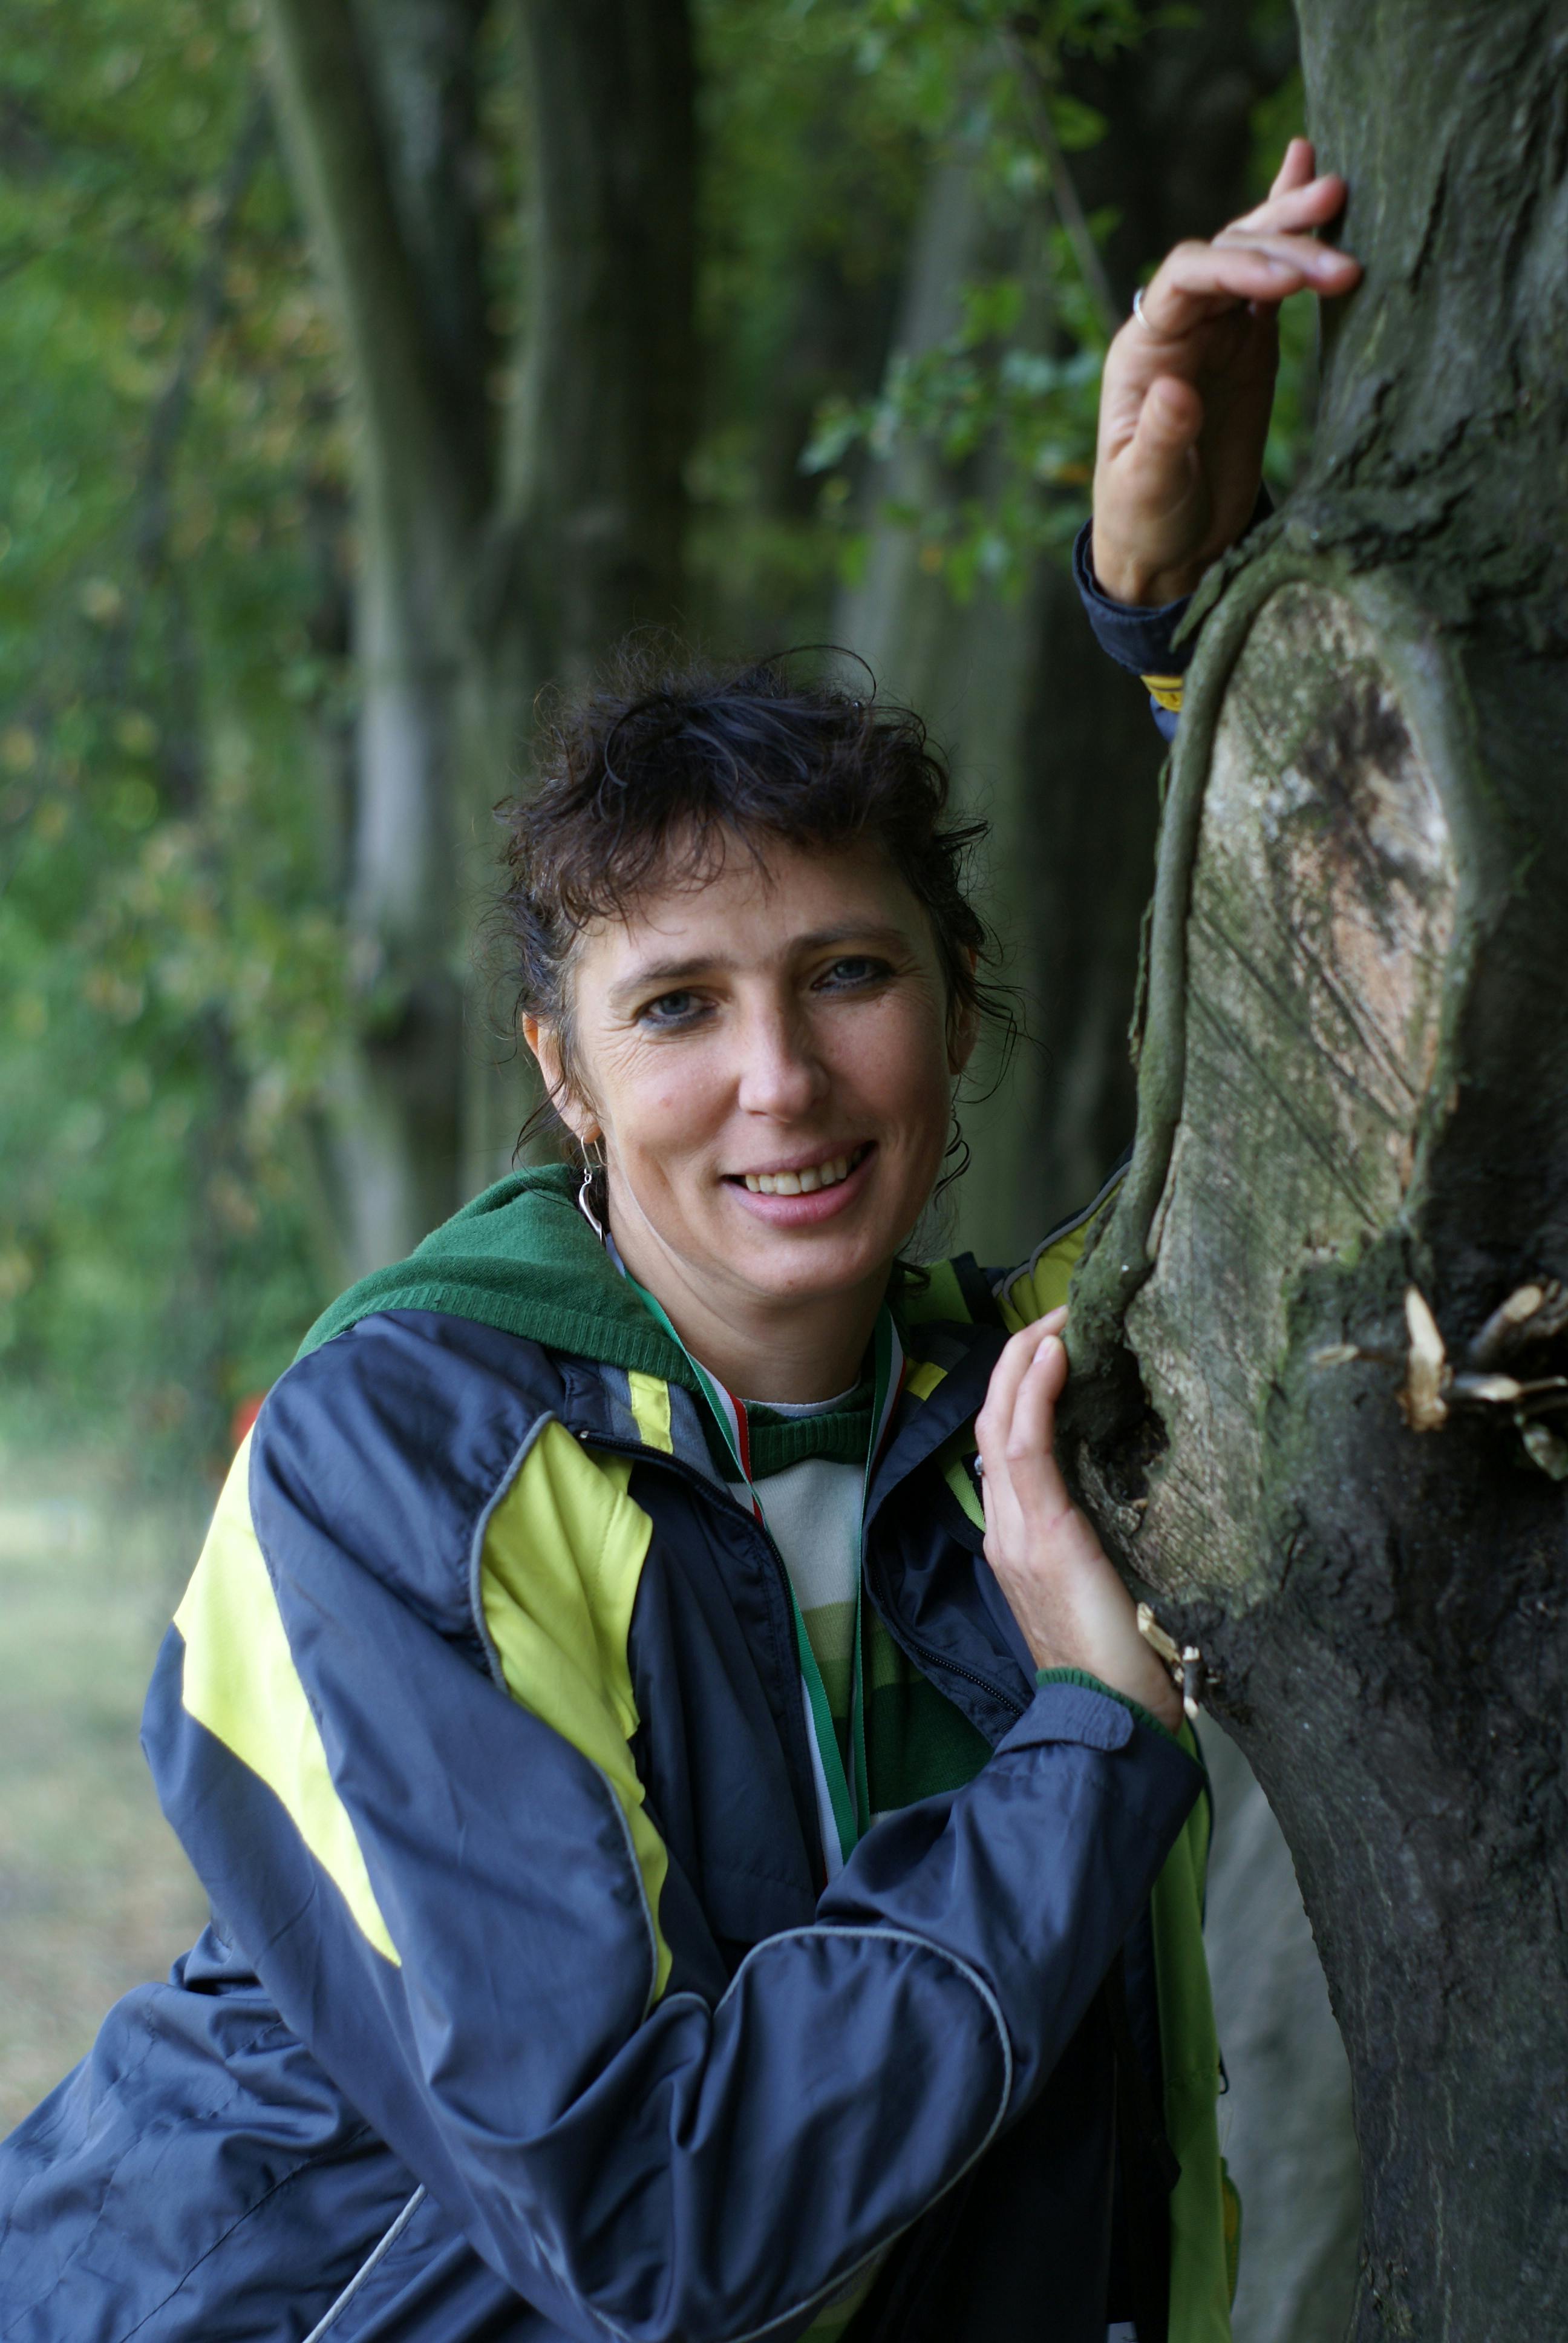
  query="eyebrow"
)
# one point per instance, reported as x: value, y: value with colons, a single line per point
x: 668, y: 973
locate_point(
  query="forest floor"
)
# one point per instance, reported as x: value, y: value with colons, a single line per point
x: 96, y: 1896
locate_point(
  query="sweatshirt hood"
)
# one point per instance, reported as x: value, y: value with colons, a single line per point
x: 522, y: 1258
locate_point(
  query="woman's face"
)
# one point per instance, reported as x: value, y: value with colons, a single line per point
x: 768, y: 1061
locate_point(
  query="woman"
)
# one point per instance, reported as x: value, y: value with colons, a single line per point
x: 681, y: 1829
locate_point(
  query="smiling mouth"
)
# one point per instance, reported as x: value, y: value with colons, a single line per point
x: 806, y: 1182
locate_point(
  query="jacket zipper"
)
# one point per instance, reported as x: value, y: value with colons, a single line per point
x: 911, y: 1644
x: 924, y: 1654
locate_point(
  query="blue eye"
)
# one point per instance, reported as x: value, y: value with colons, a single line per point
x: 671, y: 1009
x: 855, y: 968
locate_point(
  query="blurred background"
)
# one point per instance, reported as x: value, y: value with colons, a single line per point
x: 368, y: 367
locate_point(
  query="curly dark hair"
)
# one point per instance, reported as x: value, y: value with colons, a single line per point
x: 656, y: 775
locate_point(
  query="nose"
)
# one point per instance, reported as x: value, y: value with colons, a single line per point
x: 782, y: 1075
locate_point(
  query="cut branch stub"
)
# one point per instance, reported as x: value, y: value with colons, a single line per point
x: 1320, y: 927
x: 1426, y: 1371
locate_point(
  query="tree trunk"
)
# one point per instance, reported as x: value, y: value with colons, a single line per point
x: 588, y: 540
x: 967, y: 668
x: 495, y: 555
x: 1285, y: 2119
x: 419, y: 491
x: 1296, y: 1412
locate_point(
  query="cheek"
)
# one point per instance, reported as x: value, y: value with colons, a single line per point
x: 658, y: 1105
x: 900, y: 1067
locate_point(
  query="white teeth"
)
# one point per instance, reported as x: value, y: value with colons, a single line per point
x: 802, y: 1183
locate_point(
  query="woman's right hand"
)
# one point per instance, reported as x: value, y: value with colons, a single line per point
x: 1188, y: 385
x: 1060, y: 1584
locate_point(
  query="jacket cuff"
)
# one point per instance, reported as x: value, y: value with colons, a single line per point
x: 1140, y: 636
x: 1134, y: 635
x: 1069, y: 1704
x: 1044, y: 1676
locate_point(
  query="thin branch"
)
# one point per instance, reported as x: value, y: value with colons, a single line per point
x: 1063, y: 193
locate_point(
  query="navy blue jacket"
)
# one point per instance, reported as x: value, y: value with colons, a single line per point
x: 521, y: 2013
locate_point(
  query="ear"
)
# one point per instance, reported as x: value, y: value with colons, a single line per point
x: 544, y: 1042
x: 963, y: 1024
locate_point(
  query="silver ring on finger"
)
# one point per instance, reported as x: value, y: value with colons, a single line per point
x: 1138, y: 310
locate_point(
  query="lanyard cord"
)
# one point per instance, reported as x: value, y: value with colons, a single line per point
x: 849, y: 1794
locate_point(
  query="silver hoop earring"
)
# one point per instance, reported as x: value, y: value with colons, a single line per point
x: 591, y: 1196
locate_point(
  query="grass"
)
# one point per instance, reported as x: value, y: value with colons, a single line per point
x: 95, y: 1893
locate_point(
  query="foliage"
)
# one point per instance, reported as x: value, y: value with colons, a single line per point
x: 170, y: 678
x: 1019, y: 373
x: 813, y: 177
x: 176, y: 689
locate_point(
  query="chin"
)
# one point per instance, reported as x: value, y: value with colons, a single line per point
x: 809, y: 1265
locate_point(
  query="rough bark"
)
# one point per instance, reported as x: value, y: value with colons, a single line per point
x: 1056, y: 747
x: 495, y: 552
x: 1354, y: 1090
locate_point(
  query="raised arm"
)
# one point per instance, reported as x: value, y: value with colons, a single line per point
x: 1188, y: 384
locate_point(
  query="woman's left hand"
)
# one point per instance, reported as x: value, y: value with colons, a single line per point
x: 1188, y: 384
x: 1060, y: 1583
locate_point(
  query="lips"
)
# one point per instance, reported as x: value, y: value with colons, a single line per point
x: 802, y: 1198
x: 807, y: 1179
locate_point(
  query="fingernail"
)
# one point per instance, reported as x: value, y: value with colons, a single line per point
x: 1051, y: 1342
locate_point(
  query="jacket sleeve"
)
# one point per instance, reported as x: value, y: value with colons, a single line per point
x: 1143, y: 640
x: 460, y: 1905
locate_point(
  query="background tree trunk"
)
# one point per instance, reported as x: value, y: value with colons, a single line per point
x: 497, y: 551
x: 588, y: 540
x: 1286, y: 2120
x: 1353, y: 1087
x: 1051, y: 742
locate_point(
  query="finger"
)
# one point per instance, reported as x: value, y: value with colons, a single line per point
x: 1154, y: 467
x: 1033, y: 1469
x: 1017, y: 1357
x: 995, y: 1419
x: 1297, y: 166
x: 1199, y: 281
x: 1305, y: 255
x: 1169, y: 423
x: 1313, y: 205
x: 1001, y: 1394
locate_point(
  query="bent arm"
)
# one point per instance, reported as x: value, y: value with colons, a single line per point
x: 451, y: 1906
x: 1184, y: 405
